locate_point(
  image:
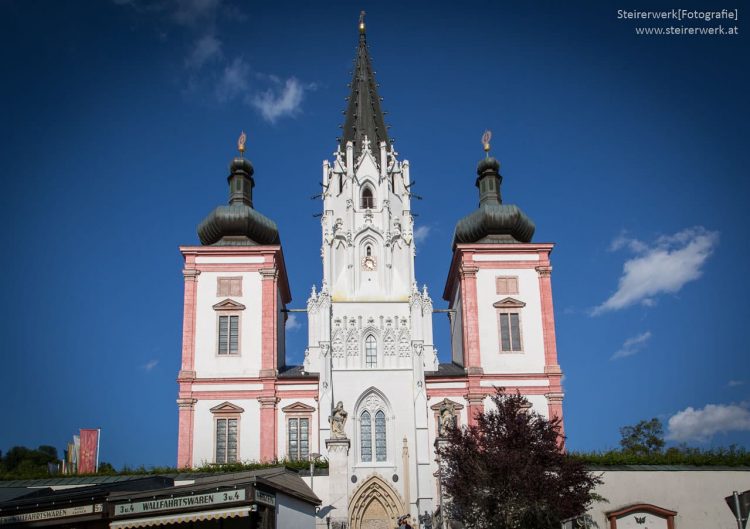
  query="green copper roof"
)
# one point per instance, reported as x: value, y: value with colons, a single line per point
x: 363, y: 114
x: 493, y: 221
x: 238, y: 224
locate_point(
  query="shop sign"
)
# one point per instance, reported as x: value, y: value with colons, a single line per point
x: 181, y: 502
x: 264, y: 497
x: 52, y: 514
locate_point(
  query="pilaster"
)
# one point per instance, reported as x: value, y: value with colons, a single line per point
x: 186, y: 417
x: 268, y: 427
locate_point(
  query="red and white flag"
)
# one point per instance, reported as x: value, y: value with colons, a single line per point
x: 88, y: 460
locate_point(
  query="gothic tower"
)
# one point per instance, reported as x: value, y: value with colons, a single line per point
x: 370, y: 327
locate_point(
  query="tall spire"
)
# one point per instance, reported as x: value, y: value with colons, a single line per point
x: 363, y: 114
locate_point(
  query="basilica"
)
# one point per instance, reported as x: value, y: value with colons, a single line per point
x: 371, y: 397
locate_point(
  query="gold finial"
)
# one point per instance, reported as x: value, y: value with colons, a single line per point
x: 362, y: 21
x: 486, y: 137
x: 241, y: 143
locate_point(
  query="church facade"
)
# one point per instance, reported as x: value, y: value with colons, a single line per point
x: 371, y: 396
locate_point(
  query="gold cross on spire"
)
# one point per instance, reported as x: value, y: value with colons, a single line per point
x: 486, y: 137
x: 241, y: 143
x: 362, y: 21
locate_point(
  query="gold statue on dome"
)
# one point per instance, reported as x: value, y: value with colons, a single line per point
x: 241, y: 143
x: 486, y: 137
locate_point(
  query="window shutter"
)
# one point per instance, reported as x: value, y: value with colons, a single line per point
x: 504, y: 332
x: 234, y: 331
x: 223, y: 335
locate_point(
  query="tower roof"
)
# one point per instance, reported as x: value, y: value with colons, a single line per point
x: 493, y: 221
x: 363, y: 114
x: 238, y: 224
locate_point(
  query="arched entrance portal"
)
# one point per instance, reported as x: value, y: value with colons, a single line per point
x: 375, y: 505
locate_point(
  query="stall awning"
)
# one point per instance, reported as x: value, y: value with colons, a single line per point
x: 181, y: 518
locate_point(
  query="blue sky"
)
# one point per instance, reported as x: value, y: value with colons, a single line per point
x: 119, y: 119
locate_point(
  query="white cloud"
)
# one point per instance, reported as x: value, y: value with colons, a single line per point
x: 192, y: 12
x: 150, y: 365
x: 292, y: 323
x: 702, y: 424
x: 207, y: 48
x: 663, y: 267
x: 233, y: 81
x: 632, y: 345
x: 421, y: 233
x: 279, y: 101
x: 735, y: 383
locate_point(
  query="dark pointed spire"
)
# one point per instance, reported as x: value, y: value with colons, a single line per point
x: 363, y: 114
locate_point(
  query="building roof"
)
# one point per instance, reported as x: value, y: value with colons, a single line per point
x: 363, y: 114
x: 447, y: 370
x: 296, y: 372
x: 238, y: 224
x: 493, y: 221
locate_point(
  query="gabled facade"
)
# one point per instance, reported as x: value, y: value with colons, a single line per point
x: 371, y: 395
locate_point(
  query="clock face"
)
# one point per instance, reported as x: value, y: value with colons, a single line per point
x: 368, y: 263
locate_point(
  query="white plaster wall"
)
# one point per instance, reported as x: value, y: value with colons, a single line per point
x: 396, y: 386
x: 531, y: 360
x: 696, y: 495
x: 203, y: 436
x: 207, y: 362
x: 538, y: 403
x: 282, y: 425
x: 292, y: 512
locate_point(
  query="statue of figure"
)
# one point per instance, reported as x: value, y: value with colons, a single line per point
x: 447, y: 417
x: 337, y: 420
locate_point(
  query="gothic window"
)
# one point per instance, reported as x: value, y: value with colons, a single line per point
x: 228, y: 323
x: 226, y: 432
x: 371, y: 351
x: 367, y: 200
x: 380, y: 441
x: 365, y: 436
x: 373, y: 429
x: 509, y: 325
x: 368, y: 251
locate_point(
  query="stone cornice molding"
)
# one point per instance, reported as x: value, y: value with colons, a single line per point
x: 544, y: 271
x: 186, y: 403
x: 466, y: 270
x: 191, y: 274
x: 268, y: 273
x: 268, y: 401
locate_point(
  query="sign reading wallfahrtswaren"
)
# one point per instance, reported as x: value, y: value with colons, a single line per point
x: 180, y: 502
x: 52, y: 514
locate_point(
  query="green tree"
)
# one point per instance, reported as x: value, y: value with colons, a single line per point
x: 510, y: 471
x: 646, y: 437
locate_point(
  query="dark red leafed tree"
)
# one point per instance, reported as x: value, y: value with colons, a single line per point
x: 509, y: 471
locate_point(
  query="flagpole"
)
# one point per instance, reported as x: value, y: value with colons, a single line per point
x: 98, y: 440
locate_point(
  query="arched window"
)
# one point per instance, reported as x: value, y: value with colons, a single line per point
x: 368, y: 201
x: 371, y: 351
x: 365, y: 436
x: 368, y: 250
x: 373, y: 412
x: 380, y: 442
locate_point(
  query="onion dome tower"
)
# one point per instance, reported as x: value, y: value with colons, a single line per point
x: 493, y: 222
x: 238, y: 224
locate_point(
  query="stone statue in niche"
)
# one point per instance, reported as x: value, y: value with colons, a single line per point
x: 337, y: 419
x: 447, y: 418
